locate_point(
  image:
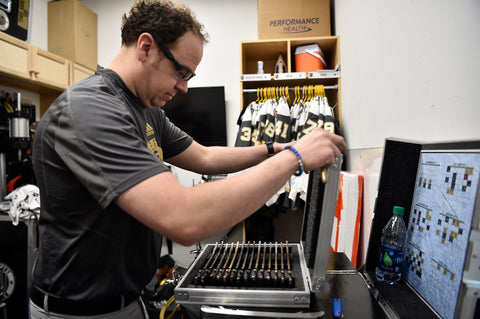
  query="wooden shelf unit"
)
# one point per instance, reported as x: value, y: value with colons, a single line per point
x: 268, y: 52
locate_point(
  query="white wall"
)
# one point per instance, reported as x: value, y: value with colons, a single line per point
x: 38, y: 24
x: 410, y: 69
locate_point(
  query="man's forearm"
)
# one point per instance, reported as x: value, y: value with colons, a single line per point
x: 233, y: 159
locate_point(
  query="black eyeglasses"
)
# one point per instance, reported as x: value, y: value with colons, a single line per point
x: 183, y: 72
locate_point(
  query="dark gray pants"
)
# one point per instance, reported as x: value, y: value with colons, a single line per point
x: 134, y: 310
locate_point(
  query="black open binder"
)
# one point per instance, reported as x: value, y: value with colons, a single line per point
x: 404, y: 175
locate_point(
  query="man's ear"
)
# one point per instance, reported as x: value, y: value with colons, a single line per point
x: 145, y: 44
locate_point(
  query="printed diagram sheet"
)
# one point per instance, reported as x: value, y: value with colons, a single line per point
x: 439, y: 226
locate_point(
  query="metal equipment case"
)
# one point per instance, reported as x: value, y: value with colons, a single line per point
x: 308, y: 260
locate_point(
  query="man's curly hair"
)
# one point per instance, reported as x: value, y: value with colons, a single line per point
x: 163, y: 19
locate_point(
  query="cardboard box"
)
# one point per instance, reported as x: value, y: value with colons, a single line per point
x: 72, y: 32
x: 293, y: 18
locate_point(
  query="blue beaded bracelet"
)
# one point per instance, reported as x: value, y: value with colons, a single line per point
x: 300, y: 161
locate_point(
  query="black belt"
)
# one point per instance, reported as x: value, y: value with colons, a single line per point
x: 80, y: 307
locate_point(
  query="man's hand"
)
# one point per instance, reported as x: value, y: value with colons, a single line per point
x: 319, y: 148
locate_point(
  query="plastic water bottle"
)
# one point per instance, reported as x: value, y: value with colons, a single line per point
x: 390, y: 260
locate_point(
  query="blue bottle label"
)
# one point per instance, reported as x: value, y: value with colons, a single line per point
x: 390, y: 259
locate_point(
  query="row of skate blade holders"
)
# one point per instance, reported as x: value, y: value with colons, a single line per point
x: 258, y: 264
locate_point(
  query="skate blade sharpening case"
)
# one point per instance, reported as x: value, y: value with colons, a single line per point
x: 265, y: 275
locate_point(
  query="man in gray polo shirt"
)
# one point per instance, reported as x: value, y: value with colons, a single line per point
x: 107, y: 196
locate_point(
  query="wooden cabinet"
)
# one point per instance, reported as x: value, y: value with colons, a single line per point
x: 27, y: 67
x: 268, y: 52
x: 14, y: 57
x: 22, y: 61
x: 49, y: 69
x: 79, y: 72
